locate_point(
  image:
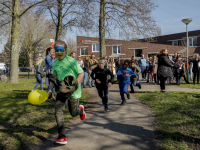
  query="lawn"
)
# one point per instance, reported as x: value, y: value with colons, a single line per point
x: 177, y: 117
x: 23, y: 125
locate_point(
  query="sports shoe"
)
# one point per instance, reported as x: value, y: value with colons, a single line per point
x: 139, y: 86
x: 61, y: 139
x: 132, y: 91
x: 82, y: 117
x: 123, y: 102
x: 128, y: 95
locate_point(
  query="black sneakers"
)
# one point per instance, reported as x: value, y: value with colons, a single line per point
x: 128, y: 95
x: 123, y: 102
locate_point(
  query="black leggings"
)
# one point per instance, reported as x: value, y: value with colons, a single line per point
x: 162, y: 82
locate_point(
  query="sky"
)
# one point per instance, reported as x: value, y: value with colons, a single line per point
x: 168, y: 16
x: 169, y: 13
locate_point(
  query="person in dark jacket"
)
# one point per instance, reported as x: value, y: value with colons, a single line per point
x: 99, y: 74
x: 164, y: 68
x: 86, y: 70
x: 179, y: 68
x: 195, y: 68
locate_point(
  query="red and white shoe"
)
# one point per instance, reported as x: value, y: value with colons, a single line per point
x: 61, y: 139
x: 82, y: 117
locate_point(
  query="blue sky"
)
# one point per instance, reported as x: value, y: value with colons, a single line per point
x: 169, y: 13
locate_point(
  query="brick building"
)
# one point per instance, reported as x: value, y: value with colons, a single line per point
x: 125, y: 49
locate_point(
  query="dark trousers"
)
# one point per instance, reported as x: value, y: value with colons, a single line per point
x: 144, y: 72
x: 196, y: 74
x: 73, y: 106
x: 162, y: 82
x: 155, y: 77
x: 103, y: 93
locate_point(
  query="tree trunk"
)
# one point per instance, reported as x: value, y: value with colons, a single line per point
x: 15, y: 33
x: 102, y: 28
x: 30, y: 58
x: 59, y: 24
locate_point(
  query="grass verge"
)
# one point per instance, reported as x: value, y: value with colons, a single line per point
x: 23, y: 125
x: 177, y: 117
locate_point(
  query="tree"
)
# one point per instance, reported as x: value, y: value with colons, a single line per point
x: 37, y: 30
x: 69, y: 13
x: 130, y: 17
x: 13, y: 9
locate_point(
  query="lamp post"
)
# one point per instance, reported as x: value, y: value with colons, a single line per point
x: 187, y: 21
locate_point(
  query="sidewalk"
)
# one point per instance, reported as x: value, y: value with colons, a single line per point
x: 124, y: 127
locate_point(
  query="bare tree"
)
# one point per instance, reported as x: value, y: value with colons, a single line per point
x: 131, y: 18
x: 14, y: 9
x: 69, y: 13
x: 37, y: 30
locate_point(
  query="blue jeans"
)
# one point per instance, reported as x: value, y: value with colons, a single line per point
x: 39, y: 81
x: 91, y: 80
x: 85, y: 78
x: 144, y: 71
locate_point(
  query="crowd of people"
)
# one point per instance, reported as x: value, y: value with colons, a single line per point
x: 66, y: 76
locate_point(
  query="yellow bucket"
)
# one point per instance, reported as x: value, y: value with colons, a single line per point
x: 37, y: 97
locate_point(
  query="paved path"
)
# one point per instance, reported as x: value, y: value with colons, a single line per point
x: 124, y: 127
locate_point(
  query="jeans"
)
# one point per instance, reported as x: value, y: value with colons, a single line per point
x: 91, y: 80
x: 39, y: 81
x: 85, y: 78
x: 144, y: 71
x: 73, y: 106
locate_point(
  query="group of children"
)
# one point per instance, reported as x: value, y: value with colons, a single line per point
x: 67, y: 76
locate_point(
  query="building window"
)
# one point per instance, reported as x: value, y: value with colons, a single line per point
x: 195, y: 41
x: 138, y: 52
x: 116, y: 49
x: 84, y: 51
x: 175, y: 43
x: 96, y: 47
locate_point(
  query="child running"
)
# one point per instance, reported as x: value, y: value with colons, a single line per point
x: 63, y: 67
x: 99, y: 74
x: 123, y: 76
x: 133, y: 79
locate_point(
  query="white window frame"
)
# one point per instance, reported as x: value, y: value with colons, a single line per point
x: 80, y: 50
x: 96, y: 47
x: 117, y: 49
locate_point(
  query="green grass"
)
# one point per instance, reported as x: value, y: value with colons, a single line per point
x: 23, y: 125
x: 177, y: 117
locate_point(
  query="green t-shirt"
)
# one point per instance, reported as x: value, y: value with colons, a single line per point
x: 65, y: 67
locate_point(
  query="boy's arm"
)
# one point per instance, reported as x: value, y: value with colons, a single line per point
x: 80, y: 77
x: 93, y: 73
x: 132, y: 73
x: 112, y: 76
x: 119, y: 73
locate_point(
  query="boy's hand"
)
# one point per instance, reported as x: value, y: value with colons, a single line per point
x: 109, y: 85
x: 97, y: 80
x: 49, y: 92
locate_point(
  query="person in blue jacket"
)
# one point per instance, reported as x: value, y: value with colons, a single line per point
x: 123, y: 76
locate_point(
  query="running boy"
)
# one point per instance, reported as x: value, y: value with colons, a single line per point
x: 133, y: 79
x: 62, y: 67
x: 123, y: 76
x: 99, y: 74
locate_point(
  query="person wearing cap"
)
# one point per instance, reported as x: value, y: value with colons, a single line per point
x: 100, y: 74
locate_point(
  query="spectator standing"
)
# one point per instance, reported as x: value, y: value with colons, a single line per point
x: 195, y: 68
x: 86, y: 60
x: 39, y: 74
x: 111, y: 67
x: 73, y: 54
x: 190, y: 68
x: 80, y: 62
x: 92, y: 65
x: 49, y: 64
x: 118, y: 64
x: 133, y: 60
x: 143, y: 64
x: 164, y: 68
x: 106, y: 61
x: 155, y: 68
